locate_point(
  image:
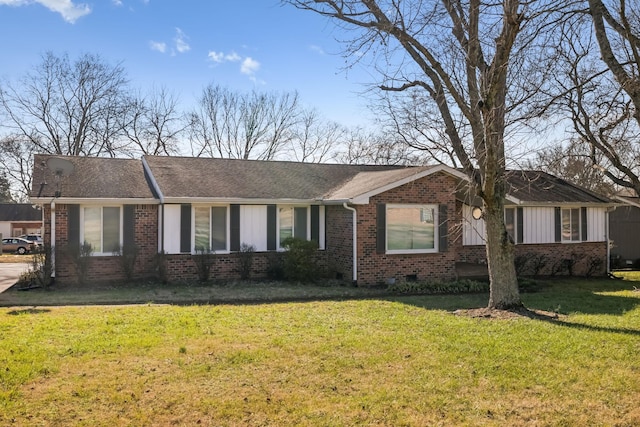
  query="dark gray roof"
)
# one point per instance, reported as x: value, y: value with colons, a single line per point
x: 92, y: 178
x: 208, y: 178
x: 250, y: 179
x: 16, y: 212
x: 540, y: 187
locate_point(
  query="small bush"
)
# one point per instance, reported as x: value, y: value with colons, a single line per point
x: 275, y: 266
x: 127, y: 255
x: 81, y: 257
x: 299, y: 260
x: 41, y: 268
x: 595, y: 266
x: 203, y: 259
x: 520, y: 263
x: 537, y: 263
x: 439, y: 287
x: 245, y: 260
x: 160, y: 264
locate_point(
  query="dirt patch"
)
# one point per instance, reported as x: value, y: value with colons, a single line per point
x: 492, y: 313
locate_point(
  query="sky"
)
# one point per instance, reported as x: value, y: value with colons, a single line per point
x: 186, y: 45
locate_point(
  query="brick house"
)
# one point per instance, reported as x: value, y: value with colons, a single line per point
x: 371, y: 223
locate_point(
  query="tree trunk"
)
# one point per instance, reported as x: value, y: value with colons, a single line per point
x: 504, y: 293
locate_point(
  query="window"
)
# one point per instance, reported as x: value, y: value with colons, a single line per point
x: 292, y: 223
x: 510, y: 222
x: 101, y: 228
x: 571, y: 225
x: 210, y: 228
x: 411, y: 228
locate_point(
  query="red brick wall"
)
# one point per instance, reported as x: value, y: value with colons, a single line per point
x: 105, y: 267
x: 374, y: 268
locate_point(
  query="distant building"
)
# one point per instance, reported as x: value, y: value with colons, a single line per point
x: 19, y: 218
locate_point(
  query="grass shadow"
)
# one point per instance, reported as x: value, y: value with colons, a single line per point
x: 28, y: 311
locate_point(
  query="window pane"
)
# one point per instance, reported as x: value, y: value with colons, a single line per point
x: 111, y: 229
x: 219, y: 228
x: 410, y: 228
x: 509, y: 222
x: 300, y: 225
x: 566, y: 224
x: 92, y: 229
x: 575, y: 224
x: 286, y: 223
x: 202, y: 229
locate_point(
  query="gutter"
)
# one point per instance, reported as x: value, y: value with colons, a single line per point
x: 53, y: 238
x: 354, y: 242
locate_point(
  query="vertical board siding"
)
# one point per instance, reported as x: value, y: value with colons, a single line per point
x: 473, y: 230
x: 253, y: 226
x: 596, y: 225
x: 539, y: 225
x: 172, y: 229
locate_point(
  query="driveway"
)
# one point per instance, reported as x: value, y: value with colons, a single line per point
x: 9, y: 274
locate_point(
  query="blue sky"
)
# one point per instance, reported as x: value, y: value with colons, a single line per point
x: 186, y: 45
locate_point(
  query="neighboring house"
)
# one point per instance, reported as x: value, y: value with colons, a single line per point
x: 371, y: 223
x: 625, y: 233
x: 17, y: 219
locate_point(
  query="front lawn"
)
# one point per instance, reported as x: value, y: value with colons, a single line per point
x: 378, y: 361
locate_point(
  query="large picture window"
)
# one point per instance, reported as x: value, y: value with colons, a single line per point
x: 411, y: 228
x: 101, y: 226
x: 210, y: 225
x: 571, y: 225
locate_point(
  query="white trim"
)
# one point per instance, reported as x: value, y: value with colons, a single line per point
x: 226, y: 230
x: 95, y: 201
x: 82, y: 225
x: 434, y: 209
x: 238, y: 201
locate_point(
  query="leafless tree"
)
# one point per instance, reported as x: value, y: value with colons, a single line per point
x: 242, y: 126
x: 315, y: 139
x: 65, y: 107
x: 573, y: 163
x: 378, y: 148
x: 153, y: 124
x: 601, y: 83
x: 478, y: 62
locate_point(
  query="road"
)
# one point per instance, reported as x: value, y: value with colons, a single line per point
x: 9, y: 274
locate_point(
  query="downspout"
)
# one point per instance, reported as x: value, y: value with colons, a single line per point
x: 608, y: 238
x: 354, y: 242
x: 53, y: 239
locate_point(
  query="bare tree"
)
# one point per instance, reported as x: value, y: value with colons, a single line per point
x: 602, y: 87
x: 242, y: 126
x: 573, y: 163
x: 471, y: 59
x: 378, y: 148
x: 314, y: 139
x: 153, y: 123
x: 67, y: 108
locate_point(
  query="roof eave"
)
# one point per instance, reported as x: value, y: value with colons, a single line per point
x: 95, y: 200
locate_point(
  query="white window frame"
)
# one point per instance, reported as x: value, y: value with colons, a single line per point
x: 293, y: 229
x: 82, y: 231
x: 571, y: 219
x: 227, y: 227
x: 433, y: 207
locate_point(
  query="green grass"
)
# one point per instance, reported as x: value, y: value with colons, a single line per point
x: 388, y: 361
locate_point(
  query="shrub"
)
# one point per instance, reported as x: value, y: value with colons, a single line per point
x: 538, y: 263
x: 81, y: 257
x: 245, y: 260
x: 594, y: 266
x: 41, y: 268
x: 440, y: 287
x: 160, y: 266
x: 203, y: 259
x: 127, y: 255
x: 299, y: 259
x: 520, y: 263
x: 275, y: 266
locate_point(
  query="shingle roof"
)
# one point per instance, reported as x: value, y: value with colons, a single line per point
x: 208, y: 178
x: 540, y: 187
x: 19, y: 212
x: 92, y: 178
x: 250, y: 179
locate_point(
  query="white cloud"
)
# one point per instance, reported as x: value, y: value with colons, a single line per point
x: 66, y: 8
x: 158, y: 46
x: 317, y: 49
x: 221, y: 57
x: 181, y: 41
x: 117, y: 2
x: 249, y: 66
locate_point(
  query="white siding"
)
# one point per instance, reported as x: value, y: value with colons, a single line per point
x: 596, y: 225
x: 321, y: 228
x: 473, y: 230
x: 253, y: 226
x: 538, y: 224
x: 172, y: 229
